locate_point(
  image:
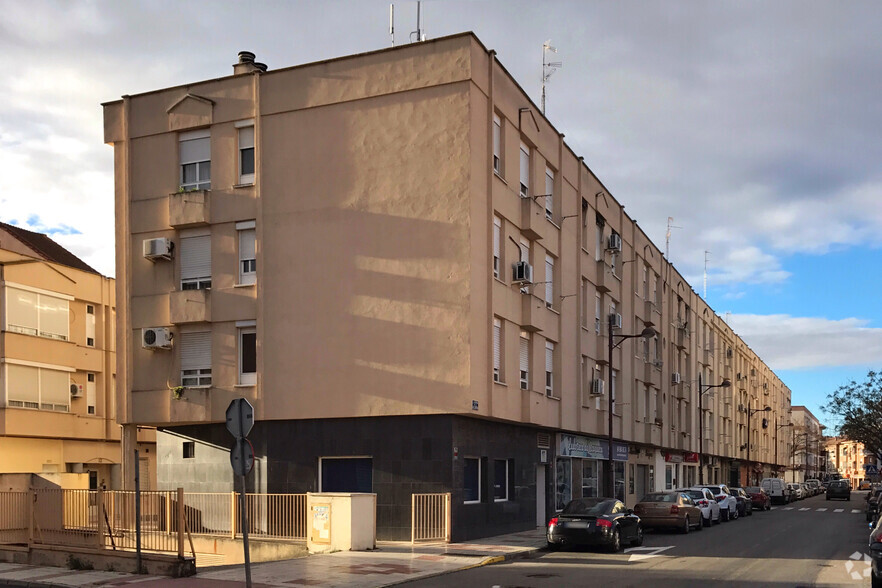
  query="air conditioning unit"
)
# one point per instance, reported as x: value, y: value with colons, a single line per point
x: 675, y: 378
x: 161, y: 248
x: 616, y: 320
x: 522, y: 273
x: 597, y: 387
x: 76, y: 391
x: 614, y: 243
x: 156, y: 338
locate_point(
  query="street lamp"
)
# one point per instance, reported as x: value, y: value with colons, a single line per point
x: 776, y: 441
x: 724, y: 384
x: 750, y: 411
x: 647, y: 333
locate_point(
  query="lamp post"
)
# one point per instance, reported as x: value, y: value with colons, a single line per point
x: 777, y: 426
x: 647, y: 333
x: 750, y: 411
x: 701, y: 390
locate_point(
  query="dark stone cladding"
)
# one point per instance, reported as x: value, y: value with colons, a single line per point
x: 410, y: 454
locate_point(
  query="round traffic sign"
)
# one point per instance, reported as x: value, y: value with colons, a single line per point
x: 242, y: 457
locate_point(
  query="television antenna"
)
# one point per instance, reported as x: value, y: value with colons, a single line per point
x: 548, y: 67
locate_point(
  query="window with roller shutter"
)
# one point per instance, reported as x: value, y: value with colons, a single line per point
x: 497, y: 350
x: 524, y: 353
x: 196, y: 359
x: 195, y: 258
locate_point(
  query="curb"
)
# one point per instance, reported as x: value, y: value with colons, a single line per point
x: 485, y: 562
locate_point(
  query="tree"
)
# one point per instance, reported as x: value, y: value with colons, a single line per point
x: 859, y: 408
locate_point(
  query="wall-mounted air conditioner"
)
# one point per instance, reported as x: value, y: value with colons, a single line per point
x: 522, y: 273
x: 614, y: 243
x: 597, y: 387
x: 161, y: 248
x: 156, y: 338
x: 616, y: 320
x: 76, y: 391
x: 675, y: 378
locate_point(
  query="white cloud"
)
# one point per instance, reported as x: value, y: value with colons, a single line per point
x: 792, y: 343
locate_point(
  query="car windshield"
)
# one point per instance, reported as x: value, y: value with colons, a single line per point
x: 588, y: 506
x: 695, y: 494
x: 660, y: 497
x: 754, y: 489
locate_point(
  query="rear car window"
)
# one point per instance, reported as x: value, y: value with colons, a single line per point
x: 659, y: 497
x: 695, y: 494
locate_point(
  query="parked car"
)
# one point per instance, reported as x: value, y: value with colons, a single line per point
x: 704, y: 499
x: 796, y: 490
x: 776, y: 488
x: 864, y: 485
x: 807, y: 491
x: 876, y: 553
x: 727, y: 501
x: 744, y: 502
x: 759, y: 498
x: 672, y: 510
x: 815, y: 485
x: 839, y: 489
x: 595, y: 521
x: 873, y: 504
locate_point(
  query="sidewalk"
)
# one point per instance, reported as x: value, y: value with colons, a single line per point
x: 389, y: 564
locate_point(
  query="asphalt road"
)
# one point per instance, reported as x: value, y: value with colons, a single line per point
x: 812, y: 542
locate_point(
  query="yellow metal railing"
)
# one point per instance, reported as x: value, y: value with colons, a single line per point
x: 430, y: 517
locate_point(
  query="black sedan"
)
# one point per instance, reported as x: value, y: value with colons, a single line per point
x: 745, y: 502
x: 876, y: 553
x: 839, y: 489
x: 595, y: 521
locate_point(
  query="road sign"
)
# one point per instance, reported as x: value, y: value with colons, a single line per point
x: 242, y: 457
x: 871, y: 469
x: 240, y: 418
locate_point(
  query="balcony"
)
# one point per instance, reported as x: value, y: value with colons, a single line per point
x: 605, y: 279
x: 189, y: 209
x: 189, y: 306
x: 681, y: 338
x: 648, y: 307
x: 652, y: 374
x: 532, y: 219
x: 533, y: 312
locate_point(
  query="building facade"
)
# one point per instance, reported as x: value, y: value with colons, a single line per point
x: 57, y: 368
x: 850, y: 459
x: 399, y: 261
x: 808, y: 457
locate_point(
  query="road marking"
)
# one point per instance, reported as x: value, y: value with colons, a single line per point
x: 822, y: 510
x: 653, y: 552
x: 855, y: 511
x: 838, y: 510
x: 787, y: 508
x: 804, y: 508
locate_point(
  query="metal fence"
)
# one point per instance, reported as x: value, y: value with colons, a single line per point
x: 430, y: 517
x: 281, y: 516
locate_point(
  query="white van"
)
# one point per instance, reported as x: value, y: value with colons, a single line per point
x: 776, y: 489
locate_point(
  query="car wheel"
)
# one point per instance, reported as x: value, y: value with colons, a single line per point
x: 616, y: 544
x: 707, y: 522
x: 735, y: 514
x: 724, y: 515
x: 769, y: 505
x: 638, y: 540
x: 700, y: 525
x: 685, y: 528
x: 875, y: 581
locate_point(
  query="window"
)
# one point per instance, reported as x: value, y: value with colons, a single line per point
x: 248, y: 356
x: 598, y: 323
x: 189, y: 449
x: 38, y: 388
x: 549, y: 368
x: 347, y: 474
x: 497, y: 246
x: 645, y: 282
x: 247, y: 252
x: 647, y: 400
x: 33, y: 313
x: 195, y: 153
x: 497, y: 350
x: 549, y: 193
x: 195, y: 262
x: 246, y: 155
x: 586, y: 379
x: 500, y: 480
x: 90, y: 325
x: 524, y: 353
x: 91, y: 393
x: 598, y: 253
x: 497, y: 144
x: 525, y: 249
x: 525, y: 171
x: 196, y: 359
x: 585, y: 307
x: 612, y: 388
x: 90, y: 309
x: 471, y: 484
x: 549, y: 281
x: 585, y: 217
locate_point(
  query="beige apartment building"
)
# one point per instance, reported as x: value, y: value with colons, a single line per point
x: 57, y: 369
x: 850, y: 459
x: 403, y: 266
x: 808, y: 455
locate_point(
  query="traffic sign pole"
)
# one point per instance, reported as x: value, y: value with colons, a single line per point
x: 240, y: 420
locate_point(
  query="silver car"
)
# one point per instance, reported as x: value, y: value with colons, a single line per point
x: 704, y: 499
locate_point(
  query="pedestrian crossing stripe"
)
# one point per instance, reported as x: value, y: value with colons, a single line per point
x: 787, y: 508
x: 855, y: 511
x: 838, y: 510
x: 822, y: 510
x: 804, y: 508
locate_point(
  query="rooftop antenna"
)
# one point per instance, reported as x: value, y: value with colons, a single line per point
x: 668, y: 237
x: 706, y: 253
x: 548, y: 68
x: 392, y: 23
x: 420, y: 34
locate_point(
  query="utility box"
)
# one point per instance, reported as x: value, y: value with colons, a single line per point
x: 341, y: 521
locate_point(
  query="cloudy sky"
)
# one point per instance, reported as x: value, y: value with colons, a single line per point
x: 754, y: 125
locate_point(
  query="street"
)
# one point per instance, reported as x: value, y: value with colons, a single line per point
x: 811, y: 542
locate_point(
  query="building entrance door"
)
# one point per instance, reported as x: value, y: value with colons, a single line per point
x: 640, y: 482
x: 540, y: 495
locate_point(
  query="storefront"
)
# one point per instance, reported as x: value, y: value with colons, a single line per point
x: 579, y: 468
x: 681, y: 469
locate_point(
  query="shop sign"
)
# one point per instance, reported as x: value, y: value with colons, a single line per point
x: 690, y: 457
x: 590, y: 448
x: 673, y: 457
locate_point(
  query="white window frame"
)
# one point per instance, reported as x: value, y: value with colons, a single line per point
x: 91, y: 393
x: 196, y: 374
x: 497, y: 246
x: 496, y: 484
x: 524, y: 359
x: 247, y: 258
x: 246, y: 378
x: 41, y: 299
x: 549, y: 369
x: 598, y: 319
x: 199, y: 161
x: 549, y: 193
x: 478, y: 460
x: 246, y: 143
x: 497, y: 144
x: 525, y: 171
x: 200, y: 277
x: 29, y: 404
x: 549, y: 281
x: 497, y: 350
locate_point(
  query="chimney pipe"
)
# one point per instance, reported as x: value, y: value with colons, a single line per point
x: 246, y: 64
